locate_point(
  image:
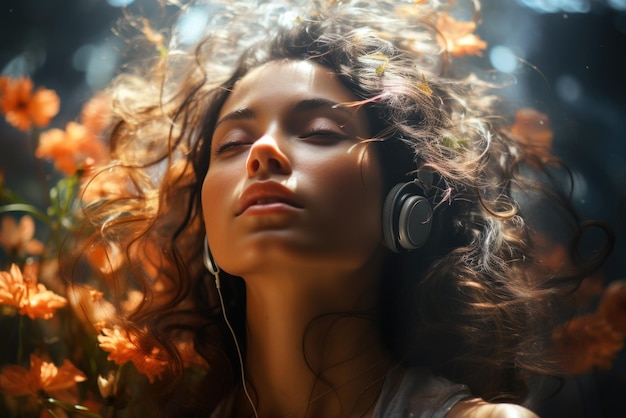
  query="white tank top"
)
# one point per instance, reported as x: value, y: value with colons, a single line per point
x: 418, y: 395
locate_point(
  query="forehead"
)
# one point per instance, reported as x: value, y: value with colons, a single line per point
x: 287, y: 80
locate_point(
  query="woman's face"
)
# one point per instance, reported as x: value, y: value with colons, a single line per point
x: 290, y: 182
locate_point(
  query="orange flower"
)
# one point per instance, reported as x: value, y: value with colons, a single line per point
x: 151, y: 365
x: 79, y: 146
x: 533, y: 128
x: 110, y: 184
x: 457, y: 37
x: 189, y: 355
x: 587, y: 342
x: 589, y: 289
x: 18, y: 238
x: 76, y: 147
x: 554, y: 257
x: 106, y: 257
x: 30, y: 297
x: 106, y: 385
x: 123, y: 346
x: 42, y: 377
x: 11, y: 287
x: 96, y: 113
x: 47, y: 271
x: 90, y: 307
x: 119, y: 345
x: 613, y: 305
x: 22, y: 108
x: 134, y: 298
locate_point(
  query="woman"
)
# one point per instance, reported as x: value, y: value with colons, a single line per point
x: 358, y: 209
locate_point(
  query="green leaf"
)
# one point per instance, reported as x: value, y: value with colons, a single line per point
x: 453, y: 143
x: 24, y: 207
x: 62, y: 196
x: 79, y: 410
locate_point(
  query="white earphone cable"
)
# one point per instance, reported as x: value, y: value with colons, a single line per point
x: 232, y: 332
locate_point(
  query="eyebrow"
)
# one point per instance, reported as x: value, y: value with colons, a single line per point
x: 300, y: 107
x: 317, y: 103
x: 239, y: 114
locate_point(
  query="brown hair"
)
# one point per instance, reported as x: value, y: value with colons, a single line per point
x: 471, y: 305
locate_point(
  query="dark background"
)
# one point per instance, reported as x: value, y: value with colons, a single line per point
x: 572, y: 65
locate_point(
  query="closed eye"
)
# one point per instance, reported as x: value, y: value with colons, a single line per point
x: 229, y: 146
x: 229, y: 140
x: 323, y: 134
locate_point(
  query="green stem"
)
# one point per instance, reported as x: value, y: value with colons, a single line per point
x: 51, y: 412
x: 119, y: 374
x: 7, y: 195
x: 23, y: 207
x: 74, y: 410
x: 41, y: 176
x: 110, y: 411
x: 20, y: 406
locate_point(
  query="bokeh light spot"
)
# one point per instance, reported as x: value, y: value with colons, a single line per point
x: 580, y: 190
x: 26, y: 63
x: 98, y: 62
x: 80, y: 58
x: 503, y: 59
x: 191, y: 25
x: 120, y: 3
x: 568, y: 88
x: 618, y: 4
x: 556, y: 6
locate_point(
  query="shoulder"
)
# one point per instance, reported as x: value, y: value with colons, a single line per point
x: 478, y: 408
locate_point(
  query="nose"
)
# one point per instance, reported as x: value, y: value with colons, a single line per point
x: 266, y: 157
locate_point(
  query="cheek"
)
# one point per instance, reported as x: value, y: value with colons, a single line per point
x: 207, y: 203
x: 363, y: 179
x: 356, y: 190
x: 213, y: 208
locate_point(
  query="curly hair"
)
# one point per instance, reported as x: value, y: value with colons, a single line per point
x: 472, y: 305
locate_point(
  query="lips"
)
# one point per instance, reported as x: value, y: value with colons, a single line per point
x: 266, y: 193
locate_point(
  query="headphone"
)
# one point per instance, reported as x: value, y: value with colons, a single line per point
x: 209, y: 263
x: 407, y: 220
x: 212, y: 267
x: 407, y: 217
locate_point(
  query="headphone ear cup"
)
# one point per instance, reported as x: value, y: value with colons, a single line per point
x: 390, y: 227
x: 407, y: 218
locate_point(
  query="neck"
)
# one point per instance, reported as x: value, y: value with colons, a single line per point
x: 313, y: 345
